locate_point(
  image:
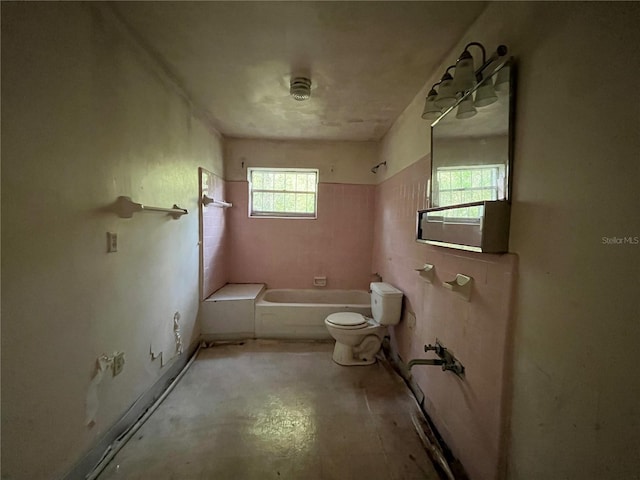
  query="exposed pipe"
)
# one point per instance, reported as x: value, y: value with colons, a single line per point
x: 121, y: 441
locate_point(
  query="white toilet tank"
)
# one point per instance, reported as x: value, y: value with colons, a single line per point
x: 386, y: 303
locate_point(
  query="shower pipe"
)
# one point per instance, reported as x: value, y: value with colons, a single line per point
x: 375, y: 169
x: 120, y: 442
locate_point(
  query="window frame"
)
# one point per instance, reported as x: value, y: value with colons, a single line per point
x: 283, y: 215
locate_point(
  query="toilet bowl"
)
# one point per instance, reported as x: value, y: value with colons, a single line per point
x: 359, y: 338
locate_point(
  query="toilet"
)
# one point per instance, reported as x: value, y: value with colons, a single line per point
x: 358, y: 338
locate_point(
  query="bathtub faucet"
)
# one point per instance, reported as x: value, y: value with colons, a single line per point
x: 446, y: 360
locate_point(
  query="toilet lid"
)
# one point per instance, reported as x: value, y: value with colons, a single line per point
x: 346, y: 319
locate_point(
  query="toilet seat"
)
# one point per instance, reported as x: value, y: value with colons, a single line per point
x: 347, y: 320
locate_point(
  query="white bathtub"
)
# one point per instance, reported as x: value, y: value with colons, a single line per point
x: 289, y: 313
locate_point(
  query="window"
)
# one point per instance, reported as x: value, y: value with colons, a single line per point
x: 283, y: 192
x: 466, y: 184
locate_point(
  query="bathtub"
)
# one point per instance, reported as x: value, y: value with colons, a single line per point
x: 289, y: 313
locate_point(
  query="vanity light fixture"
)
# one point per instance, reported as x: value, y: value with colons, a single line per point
x: 446, y: 93
x: 502, y: 80
x: 452, y: 88
x: 466, y: 108
x: 431, y: 110
x: 485, y: 94
x: 465, y: 76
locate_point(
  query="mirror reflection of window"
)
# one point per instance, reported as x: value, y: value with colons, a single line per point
x: 466, y: 184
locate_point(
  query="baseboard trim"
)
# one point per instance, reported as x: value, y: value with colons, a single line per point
x: 90, y: 459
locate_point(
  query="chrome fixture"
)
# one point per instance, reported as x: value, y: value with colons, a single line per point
x: 375, y: 169
x: 452, y: 88
x: 446, y: 360
x: 300, y: 88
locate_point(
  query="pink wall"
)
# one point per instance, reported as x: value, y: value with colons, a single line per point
x: 214, y: 251
x: 470, y: 413
x: 288, y: 253
x: 354, y: 221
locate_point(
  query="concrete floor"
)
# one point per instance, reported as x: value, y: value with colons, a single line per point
x: 275, y: 410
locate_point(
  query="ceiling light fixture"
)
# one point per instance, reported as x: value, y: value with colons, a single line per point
x: 300, y: 88
x: 452, y: 88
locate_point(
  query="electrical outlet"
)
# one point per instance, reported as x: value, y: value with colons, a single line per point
x: 118, y: 363
x: 112, y: 242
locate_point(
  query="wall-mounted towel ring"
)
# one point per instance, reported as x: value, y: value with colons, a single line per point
x: 460, y: 285
x: 216, y: 203
x: 427, y: 272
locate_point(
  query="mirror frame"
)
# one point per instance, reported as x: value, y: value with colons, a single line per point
x: 492, y: 233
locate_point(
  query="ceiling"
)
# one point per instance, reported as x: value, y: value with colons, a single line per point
x: 366, y: 60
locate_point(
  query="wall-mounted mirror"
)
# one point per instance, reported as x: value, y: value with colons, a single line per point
x: 471, y: 158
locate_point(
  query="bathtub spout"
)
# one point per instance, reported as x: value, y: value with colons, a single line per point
x: 446, y: 360
x: 423, y: 361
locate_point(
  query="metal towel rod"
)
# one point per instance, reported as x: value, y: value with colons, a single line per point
x: 125, y: 208
x: 216, y: 203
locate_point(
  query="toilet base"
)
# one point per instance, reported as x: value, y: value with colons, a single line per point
x: 344, y: 355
